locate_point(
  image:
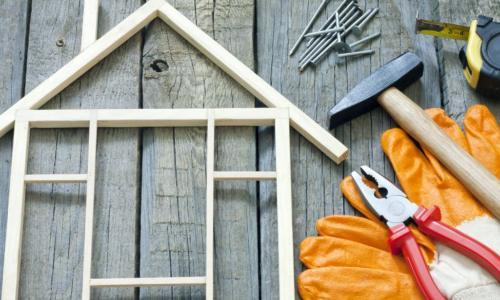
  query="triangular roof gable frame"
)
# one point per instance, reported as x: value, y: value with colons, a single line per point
x: 122, y: 32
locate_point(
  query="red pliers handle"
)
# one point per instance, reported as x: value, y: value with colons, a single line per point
x: 428, y: 221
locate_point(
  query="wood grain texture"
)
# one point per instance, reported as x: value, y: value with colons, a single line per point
x: 173, y: 190
x: 316, y: 178
x: 188, y: 80
x: 457, y: 95
x: 54, y: 228
x: 252, y: 82
x: 14, y: 24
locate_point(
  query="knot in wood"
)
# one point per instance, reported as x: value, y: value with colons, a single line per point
x: 159, y: 65
x: 60, y: 43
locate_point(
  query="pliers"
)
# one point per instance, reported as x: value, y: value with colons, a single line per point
x: 392, y: 206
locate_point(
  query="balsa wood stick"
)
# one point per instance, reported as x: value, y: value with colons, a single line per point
x: 89, y: 210
x: 146, y: 282
x: 284, y: 209
x: 15, y: 217
x: 89, y: 23
x: 210, y: 189
x: 59, y: 178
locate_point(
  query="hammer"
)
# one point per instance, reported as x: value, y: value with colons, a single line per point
x: 382, y: 87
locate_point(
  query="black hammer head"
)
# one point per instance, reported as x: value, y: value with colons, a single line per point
x: 399, y: 73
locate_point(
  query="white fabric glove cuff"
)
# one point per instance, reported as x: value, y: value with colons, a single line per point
x: 457, y: 275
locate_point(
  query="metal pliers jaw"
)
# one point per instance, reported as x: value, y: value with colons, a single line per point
x: 386, y: 201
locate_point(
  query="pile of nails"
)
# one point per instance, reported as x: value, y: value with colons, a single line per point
x: 347, y: 18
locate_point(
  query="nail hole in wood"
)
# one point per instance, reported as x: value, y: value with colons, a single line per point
x: 159, y: 65
x: 60, y: 43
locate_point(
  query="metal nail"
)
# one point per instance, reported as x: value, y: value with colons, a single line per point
x: 327, y: 46
x: 357, y: 53
x: 326, y: 43
x: 359, y: 28
x: 326, y: 50
x: 337, y: 19
x: 309, y: 25
x: 339, y: 45
x: 320, y: 41
x: 323, y: 32
x: 330, y: 22
x: 364, y: 40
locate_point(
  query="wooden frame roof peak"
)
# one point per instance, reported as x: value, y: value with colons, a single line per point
x: 152, y: 9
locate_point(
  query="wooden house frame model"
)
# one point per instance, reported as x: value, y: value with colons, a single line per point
x: 281, y: 113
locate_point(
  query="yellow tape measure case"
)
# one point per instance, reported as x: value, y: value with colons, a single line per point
x: 481, y: 57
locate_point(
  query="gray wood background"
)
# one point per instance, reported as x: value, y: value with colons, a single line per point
x: 149, y: 214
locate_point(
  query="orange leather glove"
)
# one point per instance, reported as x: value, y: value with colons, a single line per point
x: 351, y: 260
x: 428, y: 183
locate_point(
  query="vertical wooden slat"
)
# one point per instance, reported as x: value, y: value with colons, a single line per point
x: 284, y: 209
x: 89, y: 23
x: 14, y: 24
x: 89, y: 209
x: 15, y: 218
x: 209, y: 293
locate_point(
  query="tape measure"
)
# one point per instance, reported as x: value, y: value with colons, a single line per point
x: 480, y: 57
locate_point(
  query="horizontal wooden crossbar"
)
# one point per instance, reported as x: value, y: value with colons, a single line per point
x: 151, y: 117
x: 219, y: 175
x: 151, y: 282
x: 55, y: 178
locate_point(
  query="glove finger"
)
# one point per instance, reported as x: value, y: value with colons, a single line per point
x: 460, y: 203
x: 449, y: 126
x: 358, y: 229
x: 414, y: 172
x: 316, y: 252
x: 483, y: 137
x: 367, y: 232
x: 356, y: 283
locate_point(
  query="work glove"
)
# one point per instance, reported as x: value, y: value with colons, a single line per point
x: 351, y: 259
x: 427, y: 183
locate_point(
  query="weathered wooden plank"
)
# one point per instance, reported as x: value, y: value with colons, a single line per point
x: 13, y: 21
x: 173, y: 192
x: 315, y: 178
x: 457, y: 95
x: 54, y: 229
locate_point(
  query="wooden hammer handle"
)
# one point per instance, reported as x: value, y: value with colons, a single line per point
x: 476, y: 178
